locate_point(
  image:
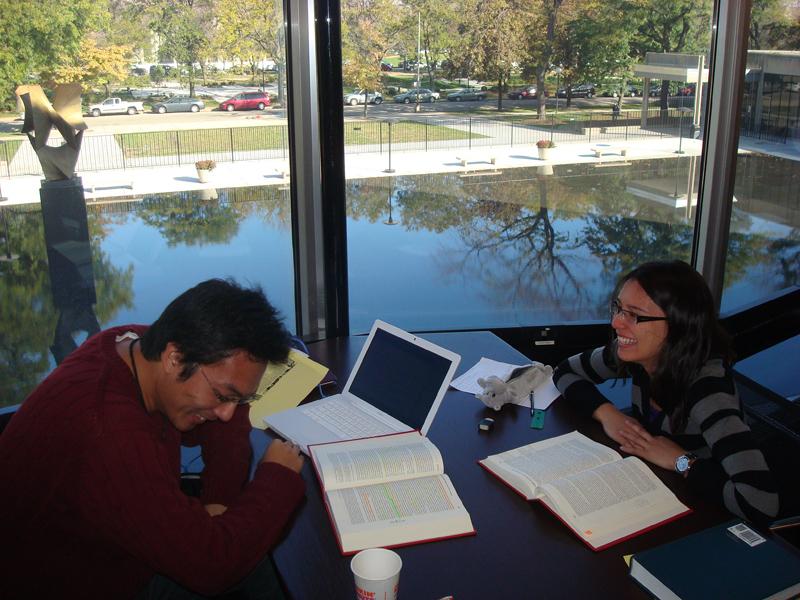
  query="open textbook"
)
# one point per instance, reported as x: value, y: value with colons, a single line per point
x: 602, y: 497
x: 388, y: 491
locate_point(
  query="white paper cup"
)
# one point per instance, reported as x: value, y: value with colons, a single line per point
x: 377, y: 574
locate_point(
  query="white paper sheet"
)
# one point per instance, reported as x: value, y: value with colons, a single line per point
x: 543, y: 396
x: 485, y: 367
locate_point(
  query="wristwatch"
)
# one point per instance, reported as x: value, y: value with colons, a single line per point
x: 684, y: 462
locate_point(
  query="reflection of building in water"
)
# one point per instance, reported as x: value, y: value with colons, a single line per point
x: 69, y: 258
x: 676, y: 190
x: 766, y: 188
x: 771, y: 100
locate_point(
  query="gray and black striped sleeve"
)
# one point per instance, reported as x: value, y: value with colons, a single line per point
x: 747, y: 486
x: 577, y: 377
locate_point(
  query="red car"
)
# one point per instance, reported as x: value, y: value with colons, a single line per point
x: 246, y: 101
x: 525, y: 93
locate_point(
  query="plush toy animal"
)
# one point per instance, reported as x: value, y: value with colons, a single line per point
x: 521, y: 382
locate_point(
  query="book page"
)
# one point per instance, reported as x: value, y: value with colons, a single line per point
x: 541, y: 462
x: 374, y: 460
x: 398, y: 512
x: 611, y: 501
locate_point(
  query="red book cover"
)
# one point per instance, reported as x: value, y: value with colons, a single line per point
x: 571, y: 528
x: 421, y: 539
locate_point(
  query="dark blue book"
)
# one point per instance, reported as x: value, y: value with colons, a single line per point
x: 731, y: 561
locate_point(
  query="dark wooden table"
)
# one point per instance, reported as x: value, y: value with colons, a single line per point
x: 520, y: 549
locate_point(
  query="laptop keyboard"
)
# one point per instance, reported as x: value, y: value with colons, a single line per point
x: 344, y: 420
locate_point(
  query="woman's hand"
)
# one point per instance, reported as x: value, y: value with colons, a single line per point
x: 658, y: 450
x: 612, y: 420
x: 634, y: 439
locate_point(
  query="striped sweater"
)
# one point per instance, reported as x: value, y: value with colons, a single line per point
x: 729, y: 463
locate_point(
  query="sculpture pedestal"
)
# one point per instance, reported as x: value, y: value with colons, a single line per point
x: 66, y: 234
x: 69, y: 257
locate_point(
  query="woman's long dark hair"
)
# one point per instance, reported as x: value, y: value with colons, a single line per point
x: 694, y: 335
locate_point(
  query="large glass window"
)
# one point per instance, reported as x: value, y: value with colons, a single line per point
x: 764, y: 250
x: 507, y: 161
x: 189, y: 85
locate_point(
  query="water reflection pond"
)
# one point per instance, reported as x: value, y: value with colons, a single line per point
x: 445, y: 251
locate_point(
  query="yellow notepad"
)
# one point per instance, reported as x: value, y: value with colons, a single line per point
x: 284, y: 385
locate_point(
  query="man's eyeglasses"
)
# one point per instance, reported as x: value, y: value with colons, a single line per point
x: 631, y: 317
x: 240, y: 400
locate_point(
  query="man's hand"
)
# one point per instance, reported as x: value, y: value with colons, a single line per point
x: 215, y: 509
x: 286, y: 454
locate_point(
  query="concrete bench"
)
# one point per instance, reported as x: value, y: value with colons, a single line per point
x: 108, y: 185
x: 465, y: 160
x: 599, y: 151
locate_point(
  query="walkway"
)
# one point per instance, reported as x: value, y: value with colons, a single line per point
x: 154, y: 180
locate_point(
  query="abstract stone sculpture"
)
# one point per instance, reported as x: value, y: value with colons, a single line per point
x: 58, y: 162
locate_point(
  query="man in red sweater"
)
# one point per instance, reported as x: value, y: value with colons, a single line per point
x: 91, y: 505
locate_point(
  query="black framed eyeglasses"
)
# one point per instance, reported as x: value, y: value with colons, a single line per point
x: 240, y: 400
x: 631, y: 317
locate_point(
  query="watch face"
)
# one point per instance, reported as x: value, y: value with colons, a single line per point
x: 682, y: 464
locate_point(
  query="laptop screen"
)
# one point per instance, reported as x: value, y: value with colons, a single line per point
x: 400, y: 378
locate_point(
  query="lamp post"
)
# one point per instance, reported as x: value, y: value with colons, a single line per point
x: 390, y: 220
x: 682, y: 110
x: 419, y: 32
x: 558, y: 70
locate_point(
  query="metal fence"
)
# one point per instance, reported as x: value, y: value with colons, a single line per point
x: 163, y: 148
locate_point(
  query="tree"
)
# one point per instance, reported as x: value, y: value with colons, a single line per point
x: 438, y: 33
x: 184, y: 27
x: 369, y: 28
x: 592, y: 42
x: 254, y: 28
x: 772, y: 27
x: 496, y: 40
x: 540, y: 32
x: 37, y: 35
x: 94, y: 65
x: 674, y: 26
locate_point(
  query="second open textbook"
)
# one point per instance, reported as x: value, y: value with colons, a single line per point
x: 602, y: 497
x: 388, y: 491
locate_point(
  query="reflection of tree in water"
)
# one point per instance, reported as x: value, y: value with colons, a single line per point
x: 532, y: 241
x: 271, y: 204
x: 787, y: 253
x: 183, y: 219
x: 27, y: 315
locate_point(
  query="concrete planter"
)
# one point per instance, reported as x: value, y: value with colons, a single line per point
x: 203, y: 175
x: 544, y: 153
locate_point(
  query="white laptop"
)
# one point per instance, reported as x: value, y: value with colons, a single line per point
x: 397, y: 384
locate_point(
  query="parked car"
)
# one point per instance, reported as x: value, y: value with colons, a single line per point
x: 613, y: 92
x: 115, y: 106
x: 655, y: 90
x: 583, y: 90
x: 466, y: 94
x: 526, y: 93
x: 425, y: 95
x: 686, y: 90
x: 386, y: 66
x: 246, y: 101
x: 357, y: 97
x: 179, y: 104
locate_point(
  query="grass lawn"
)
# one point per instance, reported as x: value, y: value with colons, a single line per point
x: 374, y: 132
x: 8, y: 149
x: 248, y: 139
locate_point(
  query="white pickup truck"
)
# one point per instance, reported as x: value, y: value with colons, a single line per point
x: 115, y: 106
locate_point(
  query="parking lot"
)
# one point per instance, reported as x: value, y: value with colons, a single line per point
x: 388, y: 109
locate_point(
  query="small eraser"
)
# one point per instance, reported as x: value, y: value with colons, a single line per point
x: 537, y: 418
x: 486, y: 424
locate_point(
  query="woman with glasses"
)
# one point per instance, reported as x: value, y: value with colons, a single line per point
x: 686, y: 414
